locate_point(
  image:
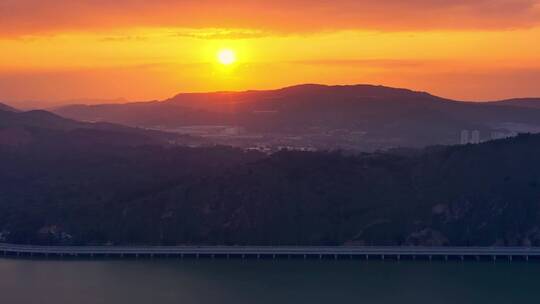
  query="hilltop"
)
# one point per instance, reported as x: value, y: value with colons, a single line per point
x: 358, y: 117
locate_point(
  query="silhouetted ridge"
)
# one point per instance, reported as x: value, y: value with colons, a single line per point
x: 5, y: 107
x: 361, y: 117
x: 17, y: 128
x: 520, y: 102
x: 467, y: 195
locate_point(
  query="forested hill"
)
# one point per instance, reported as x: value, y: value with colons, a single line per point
x: 41, y: 128
x: 482, y: 194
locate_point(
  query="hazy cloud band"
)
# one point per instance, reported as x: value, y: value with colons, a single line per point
x: 20, y: 17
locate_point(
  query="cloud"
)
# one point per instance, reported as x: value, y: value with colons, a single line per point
x: 27, y: 17
x: 372, y: 63
x: 216, y: 33
x: 122, y: 38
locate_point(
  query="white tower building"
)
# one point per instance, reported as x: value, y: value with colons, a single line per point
x: 464, y: 137
x: 475, y: 137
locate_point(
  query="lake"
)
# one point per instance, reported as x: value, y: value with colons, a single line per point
x: 266, y: 281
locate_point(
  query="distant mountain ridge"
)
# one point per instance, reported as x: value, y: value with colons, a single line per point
x: 233, y: 102
x: 519, y: 102
x: 5, y: 107
x: 383, y: 116
x: 144, y: 114
x: 312, y: 92
x: 18, y: 128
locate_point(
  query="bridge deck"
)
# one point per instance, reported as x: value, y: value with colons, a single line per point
x: 271, y: 251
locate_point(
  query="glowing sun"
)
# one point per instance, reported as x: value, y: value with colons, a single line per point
x: 226, y: 56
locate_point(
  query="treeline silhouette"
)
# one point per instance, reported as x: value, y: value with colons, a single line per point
x: 71, y: 193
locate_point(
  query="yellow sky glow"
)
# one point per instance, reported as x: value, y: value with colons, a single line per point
x: 157, y: 62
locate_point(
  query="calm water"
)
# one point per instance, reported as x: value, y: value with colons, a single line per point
x: 251, y: 281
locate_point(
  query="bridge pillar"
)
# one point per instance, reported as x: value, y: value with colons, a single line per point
x: 258, y: 256
x: 398, y: 257
x: 335, y: 256
x: 320, y: 256
x: 494, y: 258
x: 367, y: 257
x: 478, y: 258
x: 305, y: 256
x: 527, y: 258
x: 462, y: 258
x: 510, y: 258
x: 446, y: 258
x: 212, y: 256
x: 273, y: 256
x: 430, y: 258
x: 197, y: 256
x: 243, y: 256
x: 382, y: 257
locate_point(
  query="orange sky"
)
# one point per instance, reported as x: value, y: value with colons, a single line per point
x: 142, y: 50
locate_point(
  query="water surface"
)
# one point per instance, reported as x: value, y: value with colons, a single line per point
x: 266, y: 281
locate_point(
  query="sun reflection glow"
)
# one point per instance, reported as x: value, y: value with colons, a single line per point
x: 226, y: 56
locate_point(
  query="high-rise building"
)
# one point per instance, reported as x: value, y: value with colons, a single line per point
x: 464, y: 137
x: 475, y: 137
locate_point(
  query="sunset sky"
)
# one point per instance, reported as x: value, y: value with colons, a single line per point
x: 142, y: 50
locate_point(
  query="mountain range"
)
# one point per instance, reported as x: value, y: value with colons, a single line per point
x: 38, y: 126
x: 5, y: 107
x: 66, y: 181
x: 363, y: 116
x: 533, y: 103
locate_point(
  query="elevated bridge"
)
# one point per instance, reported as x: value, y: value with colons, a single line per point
x: 275, y: 252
